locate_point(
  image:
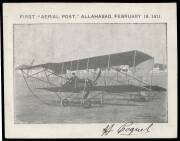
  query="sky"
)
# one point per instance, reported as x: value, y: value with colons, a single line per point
x: 63, y: 42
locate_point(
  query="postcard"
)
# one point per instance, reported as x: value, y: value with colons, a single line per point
x: 90, y: 70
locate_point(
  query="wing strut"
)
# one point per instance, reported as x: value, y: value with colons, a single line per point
x: 152, y: 73
x: 134, y: 62
x: 109, y: 60
x: 87, y: 67
x: 71, y: 66
x: 62, y: 68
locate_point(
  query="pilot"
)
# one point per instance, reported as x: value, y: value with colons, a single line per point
x: 73, y: 79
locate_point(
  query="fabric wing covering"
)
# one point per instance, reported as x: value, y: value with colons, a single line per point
x: 131, y: 58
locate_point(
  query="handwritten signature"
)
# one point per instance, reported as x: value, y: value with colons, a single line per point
x: 127, y: 128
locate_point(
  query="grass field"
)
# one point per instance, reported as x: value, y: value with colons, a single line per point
x: 116, y: 107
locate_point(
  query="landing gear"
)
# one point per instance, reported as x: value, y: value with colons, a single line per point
x: 87, y: 104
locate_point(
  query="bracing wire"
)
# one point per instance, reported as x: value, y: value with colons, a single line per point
x: 50, y: 82
x: 36, y: 96
x: 44, y: 102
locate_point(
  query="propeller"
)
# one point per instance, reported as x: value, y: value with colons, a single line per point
x: 97, y: 77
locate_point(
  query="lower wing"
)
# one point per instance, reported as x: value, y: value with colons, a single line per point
x: 109, y: 88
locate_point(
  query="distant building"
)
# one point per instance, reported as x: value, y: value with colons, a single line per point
x: 158, y: 67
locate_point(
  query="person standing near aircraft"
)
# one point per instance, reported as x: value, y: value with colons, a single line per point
x: 73, y: 80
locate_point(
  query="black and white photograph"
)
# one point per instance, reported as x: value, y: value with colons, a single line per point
x: 90, y: 73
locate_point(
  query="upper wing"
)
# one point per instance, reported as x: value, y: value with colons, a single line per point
x: 131, y: 58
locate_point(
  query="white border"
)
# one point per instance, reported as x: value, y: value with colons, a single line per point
x: 11, y: 16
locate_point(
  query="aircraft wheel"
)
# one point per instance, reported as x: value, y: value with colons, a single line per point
x: 65, y: 102
x: 87, y: 104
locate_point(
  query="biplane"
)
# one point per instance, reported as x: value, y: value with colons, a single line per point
x: 100, y: 66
